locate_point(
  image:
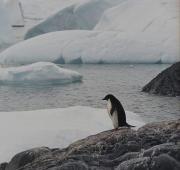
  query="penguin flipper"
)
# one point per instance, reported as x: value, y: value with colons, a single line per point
x: 112, y: 110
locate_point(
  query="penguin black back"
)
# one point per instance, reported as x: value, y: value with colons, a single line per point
x: 117, y: 106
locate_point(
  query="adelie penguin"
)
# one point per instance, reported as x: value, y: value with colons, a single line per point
x: 116, y: 112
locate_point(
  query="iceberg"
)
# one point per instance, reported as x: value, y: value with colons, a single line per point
x: 143, y: 17
x: 119, y: 32
x: 22, y: 130
x: 84, y: 15
x: 41, y: 72
x: 83, y: 46
x: 156, y: 22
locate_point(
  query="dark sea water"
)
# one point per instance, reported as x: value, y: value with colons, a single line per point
x: 122, y: 80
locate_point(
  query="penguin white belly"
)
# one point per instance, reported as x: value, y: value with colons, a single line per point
x: 114, y: 116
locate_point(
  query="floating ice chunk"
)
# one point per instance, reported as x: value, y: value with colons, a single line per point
x: 41, y: 72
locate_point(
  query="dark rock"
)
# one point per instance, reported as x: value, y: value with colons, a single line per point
x: 164, y: 162
x: 166, y: 83
x: 3, y: 166
x: 73, y: 165
x: 135, y: 164
x: 153, y: 146
x: 26, y: 157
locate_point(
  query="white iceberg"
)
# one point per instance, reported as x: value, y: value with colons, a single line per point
x: 142, y: 16
x: 154, y: 22
x: 79, y: 15
x: 80, y: 46
x: 41, y: 72
x: 124, y: 34
x: 22, y: 130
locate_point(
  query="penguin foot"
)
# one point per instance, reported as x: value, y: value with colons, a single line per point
x: 123, y: 127
x: 115, y: 129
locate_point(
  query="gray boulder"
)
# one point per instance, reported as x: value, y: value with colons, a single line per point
x: 166, y: 83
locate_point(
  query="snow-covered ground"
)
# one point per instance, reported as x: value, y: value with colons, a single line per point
x: 53, y: 128
x: 41, y: 72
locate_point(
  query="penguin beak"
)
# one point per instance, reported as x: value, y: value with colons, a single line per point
x: 103, y: 99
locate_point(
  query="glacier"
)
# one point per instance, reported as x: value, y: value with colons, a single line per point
x: 77, y: 47
x: 123, y: 34
x: 36, y: 73
x: 84, y: 14
x: 52, y: 127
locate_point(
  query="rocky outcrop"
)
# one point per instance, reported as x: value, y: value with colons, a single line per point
x: 155, y: 146
x: 166, y: 83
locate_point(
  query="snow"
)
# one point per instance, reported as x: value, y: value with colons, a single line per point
x: 15, y: 11
x: 41, y: 72
x: 41, y: 9
x: 124, y: 34
x: 144, y: 20
x: 6, y: 35
x: 80, y: 15
x: 53, y: 128
x: 90, y: 47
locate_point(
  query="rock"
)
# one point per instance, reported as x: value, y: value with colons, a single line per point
x: 27, y: 157
x: 153, y: 146
x: 3, y: 166
x: 166, y: 83
x: 137, y: 163
x: 164, y: 162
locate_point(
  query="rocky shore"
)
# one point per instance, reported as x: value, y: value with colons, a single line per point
x: 166, y: 83
x: 155, y: 146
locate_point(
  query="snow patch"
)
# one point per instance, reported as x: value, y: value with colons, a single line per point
x: 53, y: 128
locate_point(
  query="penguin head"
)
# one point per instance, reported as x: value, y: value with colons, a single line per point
x: 109, y: 96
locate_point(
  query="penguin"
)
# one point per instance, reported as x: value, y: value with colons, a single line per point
x: 116, y: 112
